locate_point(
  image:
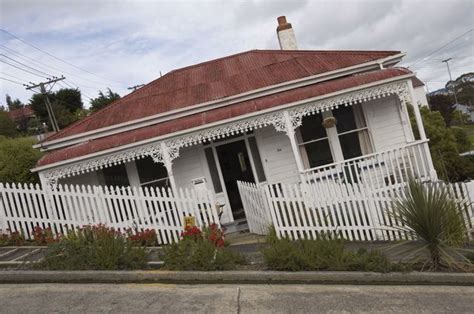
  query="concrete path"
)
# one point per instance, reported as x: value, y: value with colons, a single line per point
x: 165, y: 298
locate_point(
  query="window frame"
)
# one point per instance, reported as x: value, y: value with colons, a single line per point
x: 332, y: 136
x: 147, y: 183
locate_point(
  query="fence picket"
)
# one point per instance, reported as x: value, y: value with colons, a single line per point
x: 354, y: 211
x: 358, y: 211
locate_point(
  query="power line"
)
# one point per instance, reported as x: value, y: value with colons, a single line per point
x: 12, y: 76
x: 65, y: 84
x: 44, y: 65
x: 438, y: 49
x: 28, y: 59
x: 25, y: 65
x: 12, y: 81
x: 57, y: 58
x: 73, y: 86
x: 22, y: 69
x: 85, y: 86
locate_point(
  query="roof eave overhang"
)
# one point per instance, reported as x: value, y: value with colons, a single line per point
x: 175, y: 114
x: 183, y: 132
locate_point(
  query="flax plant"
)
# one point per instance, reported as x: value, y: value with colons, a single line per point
x: 435, y: 218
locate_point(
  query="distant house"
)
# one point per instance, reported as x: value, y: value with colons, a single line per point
x: 22, y: 116
x: 263, y: 116
x: 467, y: 110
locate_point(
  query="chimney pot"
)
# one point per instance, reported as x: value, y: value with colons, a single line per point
x: 286, y: 36
x: 281, y: 20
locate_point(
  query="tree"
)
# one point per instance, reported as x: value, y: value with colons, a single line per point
x: 464, y: 86
x: 103, y: 100
x: 462, y: 140
x: 68, y: 98
x: 443, y: 147
x: 13, y: 104
x: 7, y: 126
x: 458, y: 117
x: 17, y: 157
x: 65, y: 103
x: 444, y: 104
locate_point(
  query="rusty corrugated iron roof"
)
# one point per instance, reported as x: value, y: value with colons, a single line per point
x: 219, y: 114
x: 219, y: 78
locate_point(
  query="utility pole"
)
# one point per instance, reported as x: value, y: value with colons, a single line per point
x: 451, y: 79
x: 136, y: 87
x: 47, y: 102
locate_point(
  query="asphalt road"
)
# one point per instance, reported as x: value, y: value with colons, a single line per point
x: 166, y: 298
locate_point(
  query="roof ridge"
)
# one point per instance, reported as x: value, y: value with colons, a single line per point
x: 325, y: 51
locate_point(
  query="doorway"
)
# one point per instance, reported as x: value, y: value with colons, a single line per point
x: 235, y: 165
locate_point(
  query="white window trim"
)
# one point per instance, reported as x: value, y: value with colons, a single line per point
x: 333, y: 138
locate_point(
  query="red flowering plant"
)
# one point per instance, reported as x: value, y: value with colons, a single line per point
x: 201, y: 250
x: 192, y: 233
x: 10, y: 238
x: 147, y: 237
x: 44, y: 236
x: 214, y: 235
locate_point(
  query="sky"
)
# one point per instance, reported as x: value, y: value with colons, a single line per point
x: 104, y: 44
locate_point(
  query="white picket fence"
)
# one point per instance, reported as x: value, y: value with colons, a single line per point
x: 255, y: 207
x: 354, y: 212
x: 64, y: 208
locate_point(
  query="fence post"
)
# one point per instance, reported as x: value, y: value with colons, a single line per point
x: 470, y: 193
x: 3, y: 216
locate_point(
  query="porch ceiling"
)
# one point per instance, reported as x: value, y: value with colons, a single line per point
x: 219, y: 114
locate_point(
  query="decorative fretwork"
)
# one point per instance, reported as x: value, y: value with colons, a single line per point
x: 276, y: 119
x: 101, y: 162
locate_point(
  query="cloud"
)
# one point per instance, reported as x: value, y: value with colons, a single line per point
x: 125, y: 43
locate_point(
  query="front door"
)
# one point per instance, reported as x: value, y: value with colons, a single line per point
x: 235, y: 165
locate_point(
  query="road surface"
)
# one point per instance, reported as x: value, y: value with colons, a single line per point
x: 167, y: 298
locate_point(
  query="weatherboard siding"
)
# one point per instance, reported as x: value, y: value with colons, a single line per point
x: 191, y: 165
x: 383, y: 119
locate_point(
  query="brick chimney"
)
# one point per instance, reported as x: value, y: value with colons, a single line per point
x: 286, y: 36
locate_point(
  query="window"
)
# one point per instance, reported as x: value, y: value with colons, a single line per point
x: 352, y: 131
x: 152, y: 174
x: 116, y: 175
x: 314, y: 142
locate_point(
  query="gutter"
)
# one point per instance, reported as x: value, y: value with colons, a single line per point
x: 178, y: 113
x: 210, y: 125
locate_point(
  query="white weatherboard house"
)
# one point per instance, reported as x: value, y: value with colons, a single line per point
x: 262, y: 116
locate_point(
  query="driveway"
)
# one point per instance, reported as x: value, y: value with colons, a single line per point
x: 233, y: 298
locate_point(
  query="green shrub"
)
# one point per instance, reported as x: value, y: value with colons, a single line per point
x: 200, y: 250
x: 429, y: 212
x: 373, y: 260
x: 17, y: 157
x: 321, y: 254
x: 95, y: 248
